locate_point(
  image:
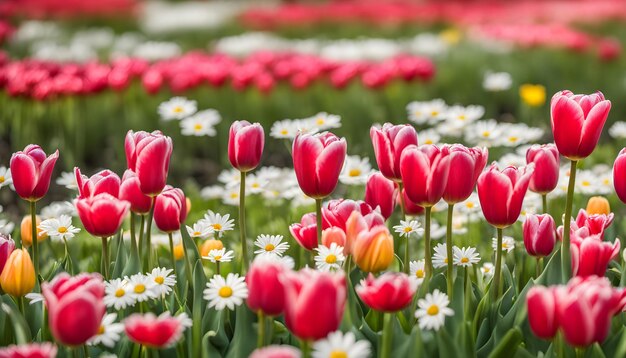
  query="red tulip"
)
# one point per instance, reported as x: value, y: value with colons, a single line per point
x: 539, y: 234
x: 619, y: 175
x: 542, y: 311
x: 31, y: 350
x: 305, y: 232
x: 591, y: 255
x: 390, y: 292
x: 148, y: 155
x: 410, y: 208
x: 314, y: 302
x: 596, y: 223
x: 130, y: 190
x: 577, y: 122
x: 245, y: 145
x: 170, y: 209
x: 7, y: 245
x: 102, y: 215
x: 336, y: 212
x: 318, y: 160
x: 501, y: 194
x: 466, y: 164
x: 546, y: 175
x: 425, y: 173
x: 104, y: 181
x: 75, y: 306
x: 156, y: 332
x: 265, y: 290
x: 31, y: 171
x: 389, y: 143
x: 380, y: 193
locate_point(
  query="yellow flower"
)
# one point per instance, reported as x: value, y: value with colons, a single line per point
x: 451, y: 36
x: 179, y: 251
x: 26, y: 231
x: 209, y: 245
x: 598, y: 205
x: 18, y: 275
x: 533, y: 95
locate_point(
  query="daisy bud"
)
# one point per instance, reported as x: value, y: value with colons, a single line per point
x: 18, y: 274
x: 390, y: 292
x: 31, y: 171
x: 318, y: 160
x: 245, y: 145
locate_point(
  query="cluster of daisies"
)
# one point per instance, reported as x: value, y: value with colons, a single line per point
x: 121, y: 293
x: 289, y: 128
x: 192, y: 122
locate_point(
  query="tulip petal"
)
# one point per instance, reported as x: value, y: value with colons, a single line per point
x: 592, y: 128
x: 567, y: 126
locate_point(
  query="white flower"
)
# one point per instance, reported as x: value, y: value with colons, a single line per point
x: 355, y: 170
x: 163, y: 280
x: 34, y: 297
x: 230, y: 178
x: 484, y: 133
x: 427, y: 112
x: 255, y: 184
x: 324, y: 121
x: 497, y: 81
x: 156, y: 50
x: 440, y: 258
x: 409, y: 228
x: 68, y: 180
x: 459, y: 116
x: 220, y: 255
x: 141, y: 287
x: 200, y: 229
x: 471, y: 205
x: 220, y: 223
x: 511, y: 160
x: 177, y: 108
x: 429, y: 136
x: 466, y: 256
x: 200, y: 124
x: 285, y: 129
x: 230, y: 196
x: 508, y: 243
x: 229, y: 292
x: 518, y: 134
x: 329, y: 258
x: 417, y: 271
x: 433, y: 310
x: 58, y: 208
x: 212, y: 192
x: 59, y: 229
x: 487, y: 269
x: 117, y: 294
x: 108, y: 333
x: 618, y: 130
x: 270, y: 245
x: 6, y: 227
x: 5, y: 177
x: 437, y: 231
x: 338, y: 344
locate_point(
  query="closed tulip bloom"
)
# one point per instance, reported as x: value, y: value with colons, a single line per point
x: 389, y: 143
x: 598, y: 205
x: 539, y: 234
x: 148, y: 155
x: 390, y: 292
x: 425, y: 173
x: 372, y: 250
x: 18, y: 275
x: 314, y: 302
x: 211, y: 244
x: 156, y: 332
x: 410, y: 208
x: 546, y: 160
x: 542, y: 311
x: 466, y: 164
x: 104, y: 181
x: 380, y: 194
x: 130, y: 190
x: 7, y: 245
x: 358, y: 223
x: 317, y: 161
x: 305, y: 232
x: 31, y: 171
x: 577, y: 122
x: 591, y: 255
x: 170, y: 209
x: 32, y: 350
x: 501, y: 194
x: 334, y: 234
x: 265, y: 289
x: 595, y: 223
x: 245, y: 145
x: 75, y: 307
x: 619, y: 175
x: 336, y: 212
x: 102, y: 215
x: 26, y: 231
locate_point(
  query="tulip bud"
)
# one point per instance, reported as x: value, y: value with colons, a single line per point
x: 130, y: 190
x: 156, y: 332
x: 26, y: 231
x: 305, y: 232
x: 245, y: 145
x: 104, y: 181
x: 31, y: 171
x: 102, y: 215
x: 31, y: 350
x: 466, y: 164
x: 542, y: 311
x: 7, y: 245
x: 148, y: 155
x: 598, y: 205
x: 390, y: 292
x: 373, y: 249
x: 208, y: 245
x: 389, y: 143
x: 546, y: 175
x: 265, y: 289
x: 170, y: 209
x: 539, y: 235
x: 333, y: 234
x: 18, y: 275
x: 379, y: 193
x: 619, y: 175
x: 179, y: 252
x: 425, y: 173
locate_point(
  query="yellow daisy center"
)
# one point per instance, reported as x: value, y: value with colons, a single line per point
x: 606, y: 182
x: 284, y: 132
x: 486, y: 269
x: 464, y: 260
x: 197, y: 233
x: 269, y: 247
x: 255, y: 185
x: 354, y: 172
x: 433, y: 310
x: 513, y: 139
x: 445, y: 260
x: 408, y: 229
x: 462, y: 117
x: 217, y: 227
x: 419, y: 273
x: 100, y: 330
x: 225, y: 292
x: 197, y: 127
x: 434, y: 113
x: 120, y: 292
x: 338, y: 354
x: 233, y: 196
x: 505, y: 245
x: 178, y: 109
x: 585, y: 183
x: 469, y: 205
x: 218, y: 257
x: 140, y: 288
x: 2, y: 179
x: 320, y: 121
x: 159, y: 280
x: 331, y: 259
x: 62, y: 229
x: 428, y: 141
x: 486, y: 133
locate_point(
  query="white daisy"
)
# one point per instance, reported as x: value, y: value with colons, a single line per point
x: 511, y: 160
x: 117, y: 294
x: 5, y: 177
x: 230, y: 178
x: 6, y: 227
x: 417, y: 271
x: 230, y: 196
x: 508, y: 243
x: 466, y: 256
x: 270, y: 245
x: 34, y: 297
x: 197, y: 126
x: 229, y: 292
x: 355, y: 170
x: 255, y: 184
x: 324, y: 121
x: 427, y: 111
x: 177, y: 108
x: 212, y: 192
x: 437, y: 231
x: 163, y: 280
x: 220, y: 255
x: 329, y: 258
x: 497, y: 81
x: 306, y: 126
x: 483, y: 133
x: 487, y: 269
x: 409, y: 228
x: 460, y: 116
x: 618, y: 130
x: 429, y: 136
x: 220, y: 223
x: 285, y: 129
x: 59, y: 229
x: 58, y: 208
x: 141, y: 287
x: 433, y: 310
x: 338, y: 344
x: 108, y: 333
x: 68, y: 180
x: 440, y: 258
x: 200, y: 229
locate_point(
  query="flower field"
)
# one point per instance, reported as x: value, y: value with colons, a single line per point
x: 340, y: 179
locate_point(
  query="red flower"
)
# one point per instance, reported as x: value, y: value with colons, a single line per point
x: 466, y: 164
x: 156, y: 332
x: 245, y: 145
x: 265, y: 290
x: 170, y: 209
x: 31, y: 171
x: 390, y: 292
x: 336, y: 212
x: 591, y: 255
x: 542, y: 311
x: 425, y: 173
x: 410, y: 208
x: 380, y: 194
x: 7, y: 245
x: 102, y: 215
x: 75, y: 307
x: 539, y: 234
x: 305, y: 232
x: 104, y: 181
x: 546, y: 175
x: 619, y: 175
x: 389, y: 143
x: 501, y: 194
x: 32, y: 350
x: 130, y: 190
x: 148, y: 155
x: 318, y: 160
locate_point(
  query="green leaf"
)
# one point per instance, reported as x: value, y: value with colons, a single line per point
x: 120, y: 258
x: 508, y: 345
x: 208, y: 350
x: 620, y: 350
x: 20, y: 327
x: 447, y: 347
x: 413, y: 346
x: 133, y: 265
x: 551, y: 274
x: 191, y: 246
x: 245, y: 337
x: 198, y: 307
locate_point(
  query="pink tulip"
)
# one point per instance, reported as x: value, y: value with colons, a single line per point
x: 148, y: 155
x: 390, y: 292
x: 31, y: 171
x: 596, y: 223
x: 75, y: 306
x: 130, y: 190
x: 546, y: 160
x: 104, y: 181
x: 275, y: 351
x: 466, y: 164
x: 410, y: 208
x: 542, y: 311
x: 389, y: 143
x: 170, y: 209
x: 501, y: 194
x: 591, y: 255
x: 7, y: 245
x: 305, y: 232
x: 380, y: 194
x: 245, y: 145
x: 425, y: 173
x: 577, y: 122
x: 619, y: 175
x: 318, y: 160
x: 156, y: 332
x: 265, y: 289
x: 539, y: 234
x: 334, y: 234
x: 31, y: 350
x: 336, y: 212
x: 102, y: 215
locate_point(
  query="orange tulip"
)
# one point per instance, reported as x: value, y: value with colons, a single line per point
x: 373, y: 249
x: 179, y: 252
x: 18, y: 275
x: 598, y: 205
x: 208, y: 245
x: 27, y: 231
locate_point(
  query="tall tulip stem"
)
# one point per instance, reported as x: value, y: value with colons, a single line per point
x: 305, y: 347
x: 566, y: 260
x: 318, y: 217
x: 407, y: 258
x: 105, y: 258
x: 242, y: 223
x: 149, y: 235
x: 169, y: 234
x: 544, y: 201
x: 34, y: 238
x: 428, y: 267
x: 449, y: 249
x: 187, y: 262
x: 260, y: 342
x: 385, y: 351
x: 497, y: 277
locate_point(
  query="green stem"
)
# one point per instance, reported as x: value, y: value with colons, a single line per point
x: 428, y: 267
x: 385, y: 351
x: 407, y: 258
x: 170, y: 236
x: 318, y: 217
x: 242, y: 223
x: 566, y: 261
x: 260, y: 342
x: 34, y: 238
x: 217, y: 268
x: 105, y: 258
x: 141, y: 228
x: 538, y: 267
x: 305, y: 347
x: 149, y: 237
x: 450, y: 270
x: 468, y: 293
x: 85, y: 351
x: 544, y: 201
x: 497, y: 277
x: 269, y: 331
x: 186, y: 258
x: 133, y: 238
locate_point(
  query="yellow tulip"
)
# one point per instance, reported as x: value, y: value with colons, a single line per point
x: 533, y: 95
x: 208, y: 245
x: 373, y: 249
x: 26, y: 231
x: 598, y: 205
x: 18, y: 275
x: 179, y: 251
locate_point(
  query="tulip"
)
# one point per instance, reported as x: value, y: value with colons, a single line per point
x: 596, y: 223
x: 314, y: 302
x: 170, y: 210
x: 102, y: 182
x: 410, y: 208
x: 32, y: 350
x: 26, y: 231
x: 591, y: 255
x: 31, y: 171
x: 18, y: 275
x: 542, y: 311
x: 463, y: 163
x: 334, y: 235
x: 7, y: 245
x: 598, y: 205
x: 372, y: 249
x: 265, y: 290
x: 179, y: 252
x: 208, y: 245
x: 380, y: 193
x: 148, y: 155
x: 390, y: 292
x: 275, y: 351
x: 130, y: 190
x: 245, y: 145
x: 619, y: 175
x: 305, y: 231
x: 389, y: 142
x: 539, y: 235
x: 156, y: 332
x: 546, y: 175
x: 336, y: 212
x: 75, y: 307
